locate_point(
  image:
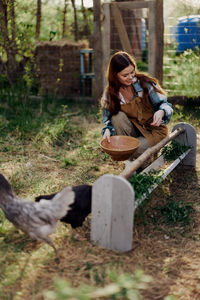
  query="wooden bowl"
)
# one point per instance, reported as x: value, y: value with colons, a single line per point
x: 121, y: 147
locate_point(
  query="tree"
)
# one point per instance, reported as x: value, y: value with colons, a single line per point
x: 181, y: 8
x: 76, y: 34
x: 38, y: 19
x: 86, y: 28
x: 8, y: 37
x: 64, y: 27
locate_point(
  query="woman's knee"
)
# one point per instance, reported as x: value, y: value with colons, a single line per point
x: 120, y: 117
x: 122, y: 124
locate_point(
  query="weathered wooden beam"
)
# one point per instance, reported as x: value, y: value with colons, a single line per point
x: 159, y: 36
x: 105, y: 40
x: 98, y: 80
x: 121, y: 28
x: 152, y: 39
x: 133, y: 4
x: 133, y: 166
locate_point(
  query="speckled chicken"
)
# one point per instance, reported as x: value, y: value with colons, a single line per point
x: 37, y: 219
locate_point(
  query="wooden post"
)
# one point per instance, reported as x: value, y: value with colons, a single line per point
x: 112, y: 213
x: 156, y: 40
x: 152, y: 39
x: 155, y: 27
x: 159, y: 32
x: 126, y: 46
x: 189, y: 138
x: 98, y: 80
x: 105, y: 40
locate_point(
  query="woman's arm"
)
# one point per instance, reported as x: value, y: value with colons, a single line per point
x: 159, y: 102
x: 106, y: 118
x: 108, y: 130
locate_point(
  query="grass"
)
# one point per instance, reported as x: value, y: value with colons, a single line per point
x: 47, y: 145
x: 177, y: 79
x: 175, y: 212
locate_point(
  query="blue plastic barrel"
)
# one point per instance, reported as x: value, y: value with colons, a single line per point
x: 143, y: 39
x: 188, y: 33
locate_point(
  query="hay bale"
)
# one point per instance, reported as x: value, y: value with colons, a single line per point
x: 59, y: 67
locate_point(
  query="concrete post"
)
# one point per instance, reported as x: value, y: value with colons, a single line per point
x: 112, y: 213
x: 188, y: 138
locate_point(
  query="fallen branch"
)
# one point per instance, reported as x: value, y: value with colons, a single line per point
x: 133, y: 166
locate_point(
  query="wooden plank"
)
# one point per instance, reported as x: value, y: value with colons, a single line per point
x: 121, y: 28
x: 156, y: 39
x: 156, y: 31
x: 133, y: 166
x: 159, y: 36
x: 105, y: 40
x: 133, y: 5
x: 98, y: 81
x: 152, y: 39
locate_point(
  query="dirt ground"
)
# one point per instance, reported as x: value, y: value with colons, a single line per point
x: 169, y: 253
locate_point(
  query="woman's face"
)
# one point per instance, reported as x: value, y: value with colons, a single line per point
x: 126, y: 75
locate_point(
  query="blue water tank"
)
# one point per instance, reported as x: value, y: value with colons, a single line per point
x: 188, y: 33
x: 143, y: 39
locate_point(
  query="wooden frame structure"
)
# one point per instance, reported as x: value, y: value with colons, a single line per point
x: 102, y: 34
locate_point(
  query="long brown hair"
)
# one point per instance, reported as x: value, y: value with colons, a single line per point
x: 119, y: 61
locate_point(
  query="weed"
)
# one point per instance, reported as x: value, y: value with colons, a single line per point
x: 68, y: 162
x: 143, y: 182
x: 2, y: 222
x: 173, y: 150
x: 170, y: 297
x: 123, y: 286
x: 176, y: 212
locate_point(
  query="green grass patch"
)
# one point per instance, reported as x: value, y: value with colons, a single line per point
x: 182, y: 73
x: 174, y: 212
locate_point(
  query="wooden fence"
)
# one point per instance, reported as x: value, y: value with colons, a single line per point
x: 103, y: 36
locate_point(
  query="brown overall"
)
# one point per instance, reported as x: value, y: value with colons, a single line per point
x: 141, y: 115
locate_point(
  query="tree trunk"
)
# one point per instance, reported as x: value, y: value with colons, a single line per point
x: 9, y: 44
x: 86, y: 30
x: 76, y: 35
x: 38, y: 19
x: 64, y: 27
x: 13, y: 21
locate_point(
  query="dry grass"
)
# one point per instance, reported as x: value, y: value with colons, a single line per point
x: 169, y: 253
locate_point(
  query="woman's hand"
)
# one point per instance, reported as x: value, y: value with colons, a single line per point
x: 107, y: 135
x: 157, y: 117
